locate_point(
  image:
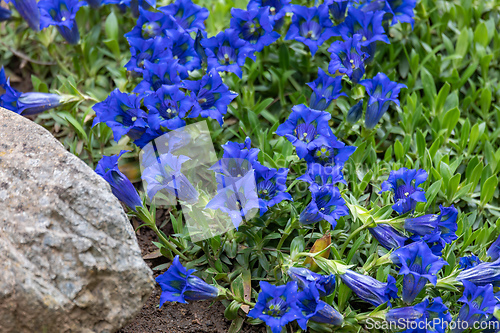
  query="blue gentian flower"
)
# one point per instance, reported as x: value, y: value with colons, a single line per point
x: 444, y: 224
x: 230, y: 170
x: 121, y: 186
x: 167, y: 108
x: 277, y: 10
x: 166, y: 175
x: 338, y: 9
x: 238, y: 199
x: 28, y: 9
x: 404, y: 183
x: 311, y: 26
x: 482, y: 274
x: 369, y: 289
x: 5, y: 14
x: 187, y: 15
x: 420, y: 315
x: 277, y: 306
x: 180, y: 285
x: 355, y: 112
x: 151, y: 24
x: 211, y: 96
x: 479, y: 304
x: 200, y: 50
x: 419, y: 266
x: 227, y: 52
x: 153, y: 50
x: 330, y: 152
x: 324, y: 284
x: 325, y: 90
x: 271, y: 186
x: 326, y: 204
x: 319, y: 175
x: 494, y: 249
x: 348, y: 58
x: 61, y: 13
x: 181, y: 46
x: 368, y: 25
x: 122, y: 113
x: 254, y: 26
x: 26, y: 104
x: 395, y: 10
x: 306, y: 129
x: 241, y: 150
x: 315, y: 309
x: 382, y: 92
x: 469, y: 262
x: 168, y: 72
x: 388, y: 237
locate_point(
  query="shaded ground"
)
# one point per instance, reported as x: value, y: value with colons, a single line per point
x: 195, y: 317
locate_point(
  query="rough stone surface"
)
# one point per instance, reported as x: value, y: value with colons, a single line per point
x: 69, y: 259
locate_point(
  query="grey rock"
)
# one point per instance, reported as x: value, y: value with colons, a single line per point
x: 69, y: 259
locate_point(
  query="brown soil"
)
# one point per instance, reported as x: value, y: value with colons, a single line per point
x: 195, y: 317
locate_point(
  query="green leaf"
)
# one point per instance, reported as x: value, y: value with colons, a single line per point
x: 451, y: 119
x: 231, y: 311
x: 76, y: 124
x: 481, y: 34
x: 111, y: 27
x: 488, y: 189
x: 399, y: 150
x: 441, y: 98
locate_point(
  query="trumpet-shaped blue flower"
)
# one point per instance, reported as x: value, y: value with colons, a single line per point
x: 26, y: 104
x: 420, y: 315
x: 369, y: 289
x: 254, y: 26
x: 211, y: 96
x: 240, y: 150
x: 404, y: 183
x: 368, y: 25
x: 348, y: 58
x: 419, y: 266
x: 382, y: 92
x: 277, y: 9
x: 180, y: 285
x: 166, y: 175
x: 324, y: 284
x: 338, y: 9
x: 61, y: 13
x: 388, y: 237
x: 318, y: 175
x: 186, y: 14
x: 28, y: 9
x: 168, y: 72
x: 469, y: 262
x: 152, y: 49
x: 325, y: 90
x: 326, y: 204
x: 479, y: 304
x: 151, y: 24
x: 277, y: 306
x: 330, y: 152
x: 121, y: 186
x: 482, y: 274
x: 181, y: 46
x: 306, y: 129
x: 494, y: 249
x: 227, y: 52
x: 355, y: 112
x: 315, y: 309
x: 311, y: 26
x: 5, y: 14
x: 238, y: 199
x: 395, y: 10
x: 431, y: 226
x: 271, y: 186
x: 122, y: 113
x: 167, y: 108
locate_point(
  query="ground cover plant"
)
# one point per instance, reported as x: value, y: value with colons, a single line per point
x: 357, y: 142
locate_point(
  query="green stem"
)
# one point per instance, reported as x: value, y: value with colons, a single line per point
x: 351, y: 237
